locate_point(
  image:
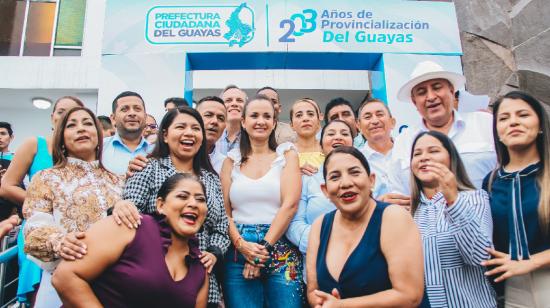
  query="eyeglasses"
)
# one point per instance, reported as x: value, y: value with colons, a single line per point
x: 152, y: 126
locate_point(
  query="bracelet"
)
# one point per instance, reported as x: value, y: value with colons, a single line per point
x: 267, y: 246
x: 237, y: 243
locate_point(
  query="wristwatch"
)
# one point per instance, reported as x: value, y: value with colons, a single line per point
x: 267, y: 246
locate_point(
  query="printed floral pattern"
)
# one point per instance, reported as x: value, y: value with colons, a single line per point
x: 64, y: 200
x: 286, y: 258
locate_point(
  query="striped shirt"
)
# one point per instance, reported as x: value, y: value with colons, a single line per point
x: 455, y: 239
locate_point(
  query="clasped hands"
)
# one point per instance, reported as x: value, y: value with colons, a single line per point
x: 326, y: 300
x: 256, y: 256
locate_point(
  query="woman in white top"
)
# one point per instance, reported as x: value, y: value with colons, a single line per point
x: 261, y: 183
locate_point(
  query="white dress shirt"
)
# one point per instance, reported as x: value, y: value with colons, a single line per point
x: 471, y: 133
x: 379, y: 165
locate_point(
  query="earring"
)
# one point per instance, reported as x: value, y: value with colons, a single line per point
x: 540, y: 132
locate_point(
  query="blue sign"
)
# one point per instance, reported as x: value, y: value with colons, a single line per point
x: 228, y: 25
x: 321, y: 26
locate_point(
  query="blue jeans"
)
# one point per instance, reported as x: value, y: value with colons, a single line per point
x: 280, y: 284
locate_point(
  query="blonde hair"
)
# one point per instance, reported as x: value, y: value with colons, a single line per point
x: 305, y: 100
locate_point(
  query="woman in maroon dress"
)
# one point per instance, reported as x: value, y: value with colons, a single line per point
x: 143, y: 267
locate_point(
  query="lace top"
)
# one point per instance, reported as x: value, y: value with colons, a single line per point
x: 63, y: 200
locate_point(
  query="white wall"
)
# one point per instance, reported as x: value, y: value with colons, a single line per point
x: 27, y: 121
x: 283, y: 79
x: 26, y: 124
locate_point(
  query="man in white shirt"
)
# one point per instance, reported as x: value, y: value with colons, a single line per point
x: 213, y: 113
x: 234, y: 99
x: 431, y: 89
x: 375, y: 123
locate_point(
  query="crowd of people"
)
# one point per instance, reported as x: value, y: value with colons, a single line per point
x: 224, y: 205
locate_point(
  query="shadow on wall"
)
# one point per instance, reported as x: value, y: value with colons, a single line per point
x: 536, y: 84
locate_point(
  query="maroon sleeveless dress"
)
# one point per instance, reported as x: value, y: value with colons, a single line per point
x: 140, y: 278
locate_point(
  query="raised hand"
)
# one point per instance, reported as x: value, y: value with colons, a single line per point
x: 446, y: 181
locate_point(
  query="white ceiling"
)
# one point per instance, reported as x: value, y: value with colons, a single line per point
x: 26, y: 120
x: 22, y: 98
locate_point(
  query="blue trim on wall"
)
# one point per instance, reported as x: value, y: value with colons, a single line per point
x: 283, y: 60
x: 378, y: 81
x: 267, y: 24
x: 287, y: 60
x: 188, y: 84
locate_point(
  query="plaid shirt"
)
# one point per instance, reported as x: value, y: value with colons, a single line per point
x: 142, y: 189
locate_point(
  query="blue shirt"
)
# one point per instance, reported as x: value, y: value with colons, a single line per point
x: 116, y: 155
x: 313, y: 204
x: 224, y: 145
x: 359, y: 141
x: 42, y: 158
x: 454, y: 240
x: 6, y: 155
x: 514, y: 206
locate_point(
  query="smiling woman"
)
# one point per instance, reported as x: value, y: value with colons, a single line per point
x: 64, y: 201
x: 261, y: 186
x: 520, y: 200
x: 31, y: 157
x: 180, y: 148
x: 313, y: 202
x: 143, y: 267
x: 454, y: 220
x: 366, y: 253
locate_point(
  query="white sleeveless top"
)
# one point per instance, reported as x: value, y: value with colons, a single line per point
x: 256, y: 201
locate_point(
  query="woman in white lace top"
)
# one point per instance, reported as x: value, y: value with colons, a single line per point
x: 64, y: 201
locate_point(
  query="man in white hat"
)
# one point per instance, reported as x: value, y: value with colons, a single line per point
x: 431, y: 89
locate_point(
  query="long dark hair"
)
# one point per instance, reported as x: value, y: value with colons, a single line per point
x: 346, y: 150
x: 170, y: 184
x: 543, y: 148
x: 244, y: 145
x: 59, y: 153
x: 323, y: 130
x: 201, y: 159
x: 457, y: 168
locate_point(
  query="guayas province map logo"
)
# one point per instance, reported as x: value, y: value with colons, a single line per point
x: 227, y: 25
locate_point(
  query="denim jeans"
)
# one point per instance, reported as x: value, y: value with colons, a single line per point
x: 280, y: 284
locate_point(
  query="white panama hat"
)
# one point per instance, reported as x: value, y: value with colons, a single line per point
x: 428, y: 70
